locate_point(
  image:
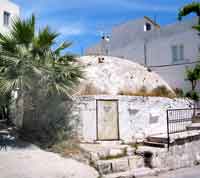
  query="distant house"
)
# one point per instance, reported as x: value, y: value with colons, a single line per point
x: 8, y: 11
x: 167, y: 50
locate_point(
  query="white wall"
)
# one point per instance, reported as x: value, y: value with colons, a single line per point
x: 13, y: 9
x: 159, y: 50
x: 159, y: 53
x: 139, y: 117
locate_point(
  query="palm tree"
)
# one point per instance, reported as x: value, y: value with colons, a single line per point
x: 193, y: 7
x: 27, y: 60
x: 193, y: 77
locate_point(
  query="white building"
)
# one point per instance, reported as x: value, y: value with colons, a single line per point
x: 168, y: 50
x: 8, y: 11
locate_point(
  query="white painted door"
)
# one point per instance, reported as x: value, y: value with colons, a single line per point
x: 107, y: 120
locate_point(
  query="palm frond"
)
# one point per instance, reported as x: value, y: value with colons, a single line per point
x: 193, y: 7
x: 28, y: 61
x: 62, y: 47
x: 23, y: 31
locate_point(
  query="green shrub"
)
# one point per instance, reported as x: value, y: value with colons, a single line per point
x: 47, y: 119
x: 193, y: 95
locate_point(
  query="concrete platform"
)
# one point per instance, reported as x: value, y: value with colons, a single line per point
x: 163, y: 138
x: 194, y: 126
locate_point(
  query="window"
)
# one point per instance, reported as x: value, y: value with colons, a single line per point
x: 174, y: 53
x: 177, y: 53
x: 147, y: 27
x: 181, y: 52
x: 6, y: 18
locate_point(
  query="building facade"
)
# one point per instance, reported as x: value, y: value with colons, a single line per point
x: 8, y: 12
x: 167, y: 50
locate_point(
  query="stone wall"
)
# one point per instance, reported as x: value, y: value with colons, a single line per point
x: 139, y: 117
x: 183, y: 153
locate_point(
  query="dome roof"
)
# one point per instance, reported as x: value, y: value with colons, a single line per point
x: 114, y: 76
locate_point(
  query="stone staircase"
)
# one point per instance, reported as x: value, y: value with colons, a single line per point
x: 117, y: 161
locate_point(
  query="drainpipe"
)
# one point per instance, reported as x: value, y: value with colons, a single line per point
x: 145, y: 52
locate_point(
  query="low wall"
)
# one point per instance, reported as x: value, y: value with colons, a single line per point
x: 183, y: 153
x: 139, y: 117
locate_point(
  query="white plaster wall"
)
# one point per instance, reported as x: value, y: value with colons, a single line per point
x: 139, y: 117
x: 159, y: 50
x: 176, y: 76
x: 13, y: 9
x: 87, y: 115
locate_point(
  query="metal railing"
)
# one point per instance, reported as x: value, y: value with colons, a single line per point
x: 178, y: 120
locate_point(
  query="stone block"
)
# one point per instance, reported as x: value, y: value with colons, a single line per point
x: 120, y: 165
x: 94, y: 157
x: 136, y: 162
x: 116, y: 152
x: 103, y: 154
x: 104, y: 167
x: 130, y: 151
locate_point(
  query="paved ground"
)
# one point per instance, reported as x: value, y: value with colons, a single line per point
x: 181, y: 173
x: 28, y: 161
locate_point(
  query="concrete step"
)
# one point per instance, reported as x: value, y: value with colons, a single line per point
x: 158, y: 139
x: 194, y: 126
x: 103, y: 152
x: 135, y: 173
x: 155, y: 144
x: 119, y: 165
x: 196, y: 119
x: 115, y: 142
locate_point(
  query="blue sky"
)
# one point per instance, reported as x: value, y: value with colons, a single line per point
x: 82, y: 21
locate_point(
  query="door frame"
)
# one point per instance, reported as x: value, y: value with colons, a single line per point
x: 97, y: 119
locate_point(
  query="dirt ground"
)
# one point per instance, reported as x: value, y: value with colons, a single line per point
x: 22, y: 160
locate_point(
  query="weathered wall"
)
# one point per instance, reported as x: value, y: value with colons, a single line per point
x: 139, y: 117
x: 184, y: 153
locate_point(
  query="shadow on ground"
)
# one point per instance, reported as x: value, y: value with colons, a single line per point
x: 9, y: 138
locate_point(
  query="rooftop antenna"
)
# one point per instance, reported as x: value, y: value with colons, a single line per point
x: 155, y: 18
x: 105, y: 39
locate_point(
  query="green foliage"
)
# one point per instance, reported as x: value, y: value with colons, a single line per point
x: 193, y: 75
x: 28, y: 60
x: 193, y: 95
x: 43, y: 75
x: 48, y: 119
x: 197, y: 27
x: 193, y: 7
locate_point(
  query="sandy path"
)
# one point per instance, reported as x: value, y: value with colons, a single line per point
x: 32, y: 162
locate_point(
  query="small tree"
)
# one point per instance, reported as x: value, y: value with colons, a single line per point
x: 32, y: 64
x: 193, y: 75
